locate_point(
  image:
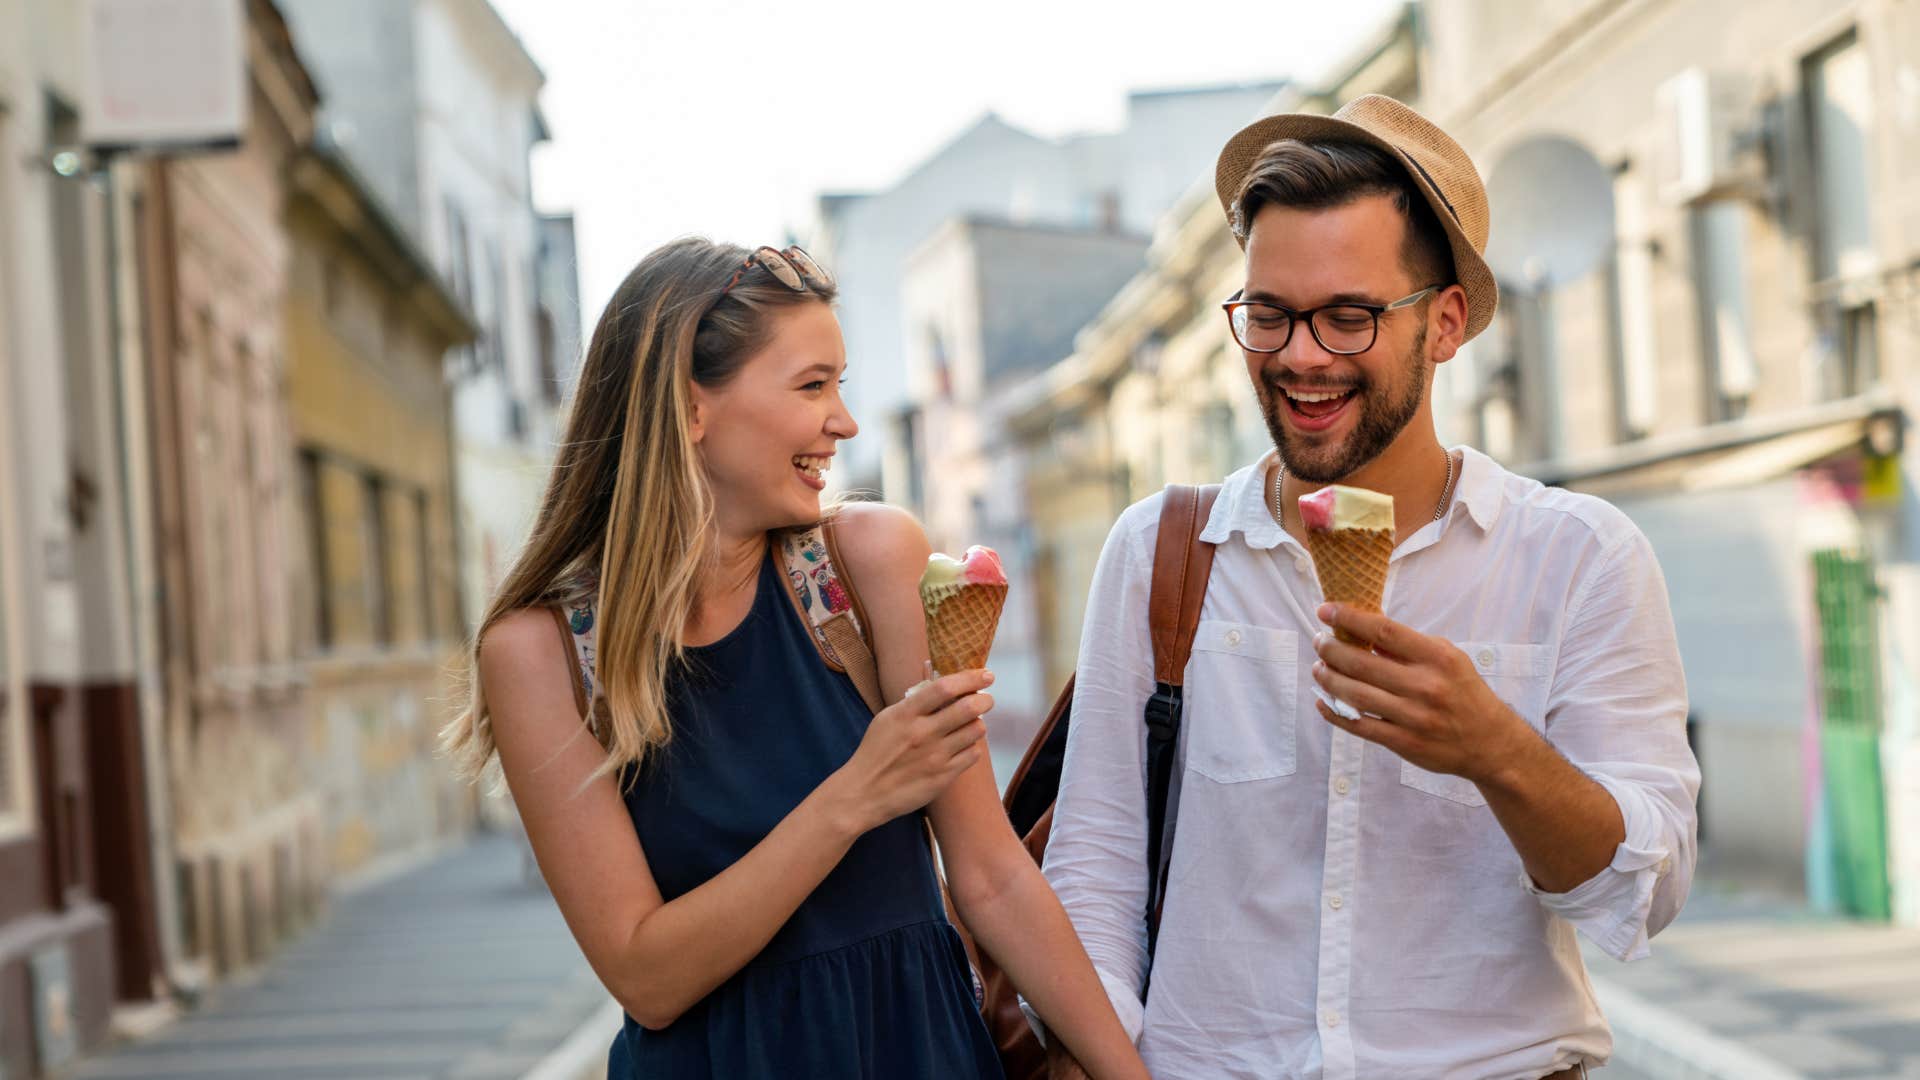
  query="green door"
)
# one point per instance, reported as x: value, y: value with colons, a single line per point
x: 1847, y: 599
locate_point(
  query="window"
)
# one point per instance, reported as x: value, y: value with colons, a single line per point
x: 423, y: 572
x: 549, y: 367
x: 495, y: 337
x: 459, y: 259
x: 1518, y: 414
x: 1859, y: 346
x: 1838, y: 111
x: 939, y: 365
x: 313, y: 513
x: 333, y: 297
x: 1838, y: 84
x: 1634, y: 343
x: 906, y: 456
x: 1719, y: 238
x: 459, y: 267
x: 377, y: 576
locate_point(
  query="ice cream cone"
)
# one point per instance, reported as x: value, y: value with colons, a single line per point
x: 1350, y: 533
x: 961, y: 620
x: 1352, y: 567
x: 962, y: 600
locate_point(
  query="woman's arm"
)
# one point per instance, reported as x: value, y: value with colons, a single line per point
x: 658, y: 958
x: 996, y: 888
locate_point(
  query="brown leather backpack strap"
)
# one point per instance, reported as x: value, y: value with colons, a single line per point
x: 1181, y: 564
x: 852, y: 638
x: 1193, y: 585
x: 851, y: 647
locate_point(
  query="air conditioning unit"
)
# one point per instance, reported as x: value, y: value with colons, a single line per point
x: 1705, y: 128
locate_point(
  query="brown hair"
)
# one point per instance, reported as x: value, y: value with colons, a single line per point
x: 627, y: 512
x: 1325, y: 175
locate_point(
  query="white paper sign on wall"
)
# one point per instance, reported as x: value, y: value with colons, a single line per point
x: 164, y: 73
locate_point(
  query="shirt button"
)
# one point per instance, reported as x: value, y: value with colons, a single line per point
x: 1300, y: 563
x: 1485, y: 659
x: 1335, y: 902
x: 1233, y: 637
x: 1332, y: 1018
x: 1342, y: 785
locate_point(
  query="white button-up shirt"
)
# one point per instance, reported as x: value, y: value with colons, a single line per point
x: 1334, y: 911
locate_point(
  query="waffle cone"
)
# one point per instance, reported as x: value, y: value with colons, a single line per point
x: 961, y: 620
x: 1352, y: 566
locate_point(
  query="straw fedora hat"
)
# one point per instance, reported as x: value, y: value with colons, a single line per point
x: 1438, y: 167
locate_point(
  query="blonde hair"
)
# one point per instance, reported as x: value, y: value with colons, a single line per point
x: 627, y: 513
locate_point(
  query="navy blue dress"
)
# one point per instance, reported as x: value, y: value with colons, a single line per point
x: 867, y: 979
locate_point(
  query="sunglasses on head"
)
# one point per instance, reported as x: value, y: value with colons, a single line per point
x: 793, y: 268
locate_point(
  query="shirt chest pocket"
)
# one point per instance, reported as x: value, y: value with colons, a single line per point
x: 1240, y: 702
x: 1519, y: 675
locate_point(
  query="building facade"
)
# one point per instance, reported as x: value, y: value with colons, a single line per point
x: 246, y: 822
x: 378, y: 628
x: 79, y: 928
x: 1114, y: 181
x: 1732, y: 361
x: 436, y: 102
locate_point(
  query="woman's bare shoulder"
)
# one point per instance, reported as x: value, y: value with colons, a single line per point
x: 523, y: 651
x: 879, y: 537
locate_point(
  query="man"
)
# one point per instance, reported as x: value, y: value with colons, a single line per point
x: 1394, y: 895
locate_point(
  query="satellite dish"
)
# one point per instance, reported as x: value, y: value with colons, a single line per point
x: 1552, y: 205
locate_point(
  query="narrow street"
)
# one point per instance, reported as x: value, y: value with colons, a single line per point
x: 1738, y: 991
x: 456, y: 969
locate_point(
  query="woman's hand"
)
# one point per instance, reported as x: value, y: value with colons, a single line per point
x: 914, y: 749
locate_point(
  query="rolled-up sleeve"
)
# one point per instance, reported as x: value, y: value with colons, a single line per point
x: 1618, y: 711
x: 1096, y: 855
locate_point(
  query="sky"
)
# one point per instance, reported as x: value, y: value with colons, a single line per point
x: 727, y: 119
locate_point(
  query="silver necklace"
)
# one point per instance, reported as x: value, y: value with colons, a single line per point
x: 1280, y: 473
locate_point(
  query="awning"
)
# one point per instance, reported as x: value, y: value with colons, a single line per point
x: 1729, y: 455
x: 1775, y: 458
x: 1730, y: 467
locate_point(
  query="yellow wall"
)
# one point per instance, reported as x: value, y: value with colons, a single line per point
x: 367, y: 397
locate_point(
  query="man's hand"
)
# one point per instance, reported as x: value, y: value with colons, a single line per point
x: 1420, y: 694
x: 1060, y: 1063
x: 1425, y: 702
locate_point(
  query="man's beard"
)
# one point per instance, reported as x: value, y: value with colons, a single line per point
x: 1381, y: 422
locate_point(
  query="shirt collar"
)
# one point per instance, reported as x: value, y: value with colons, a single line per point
x: 1482, y: 487
x: 1243, y: 506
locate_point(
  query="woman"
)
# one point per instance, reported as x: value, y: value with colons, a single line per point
x: 732, y: 836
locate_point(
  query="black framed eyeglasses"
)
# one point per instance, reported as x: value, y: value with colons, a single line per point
x: 793, y: 268
x: 1342, y: 329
